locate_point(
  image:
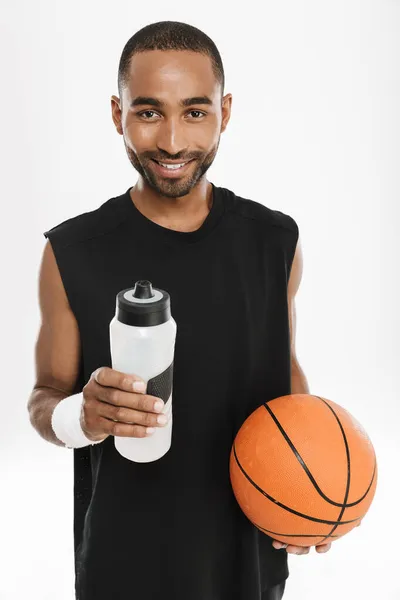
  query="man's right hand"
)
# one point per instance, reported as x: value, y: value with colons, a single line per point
x: 111, y: 406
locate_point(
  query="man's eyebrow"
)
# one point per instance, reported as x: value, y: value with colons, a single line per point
x: 146, y: 100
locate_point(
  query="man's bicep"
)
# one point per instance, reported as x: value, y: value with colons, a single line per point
x: 58, y: 345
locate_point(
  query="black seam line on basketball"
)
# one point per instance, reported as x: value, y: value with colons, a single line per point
x: 307, y: 470
x: 291, y: 510
x: 293, y: 534
x: 346, y: 495
x: 344, y: 505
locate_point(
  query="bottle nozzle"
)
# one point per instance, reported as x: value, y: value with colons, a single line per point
x: 143, y: 289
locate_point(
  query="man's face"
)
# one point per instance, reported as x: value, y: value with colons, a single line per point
x: 170, y: 131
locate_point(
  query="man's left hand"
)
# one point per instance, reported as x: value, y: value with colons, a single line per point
x: 291, y: 549
x: 321, y: 548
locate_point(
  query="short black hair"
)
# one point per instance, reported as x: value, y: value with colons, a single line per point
x: 169, y: 35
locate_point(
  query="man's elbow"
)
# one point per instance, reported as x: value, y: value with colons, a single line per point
x: 299, y: 384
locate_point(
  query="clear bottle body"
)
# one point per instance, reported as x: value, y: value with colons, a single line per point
x: 146, y: 352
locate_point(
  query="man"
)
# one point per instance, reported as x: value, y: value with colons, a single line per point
x: 170, y: 529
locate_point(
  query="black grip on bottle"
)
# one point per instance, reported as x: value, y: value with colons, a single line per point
x: 161, y: 385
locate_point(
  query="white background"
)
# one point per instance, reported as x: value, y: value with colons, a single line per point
x: 314, y: 133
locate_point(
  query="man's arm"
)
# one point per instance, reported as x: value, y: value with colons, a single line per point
x: 299, y: 381
x: 58, y: 349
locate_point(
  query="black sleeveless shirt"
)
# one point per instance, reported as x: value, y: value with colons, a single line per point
x: 172, y: 529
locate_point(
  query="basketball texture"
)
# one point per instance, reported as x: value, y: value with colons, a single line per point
x: 303, y: 470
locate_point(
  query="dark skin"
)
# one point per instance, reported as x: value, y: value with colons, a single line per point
x: 172, y: 132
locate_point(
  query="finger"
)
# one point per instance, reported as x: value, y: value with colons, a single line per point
x: 127, y: 415
x: 109, y: 377
x: 291, y: 549
x: 129, y: 399
x: 125, y: 430
x: 323, y: 548
x: 278, y: 545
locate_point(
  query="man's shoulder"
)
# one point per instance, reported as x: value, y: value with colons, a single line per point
x: 85, y: 225
x: 258, y: 211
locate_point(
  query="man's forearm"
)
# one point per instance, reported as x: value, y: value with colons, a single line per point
x: 299, y: 381
x: 41, y: 404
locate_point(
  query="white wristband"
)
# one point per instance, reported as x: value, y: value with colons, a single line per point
x: 66, y: 424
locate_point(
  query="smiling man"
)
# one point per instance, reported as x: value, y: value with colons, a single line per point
x: 171, y: 129
x: 170, y: 529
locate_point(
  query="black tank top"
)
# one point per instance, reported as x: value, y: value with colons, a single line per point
x: 172, y: 529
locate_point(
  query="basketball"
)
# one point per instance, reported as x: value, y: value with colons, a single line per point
x: 303, y: 470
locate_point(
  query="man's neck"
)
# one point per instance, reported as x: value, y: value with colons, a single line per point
x: 186, y: 213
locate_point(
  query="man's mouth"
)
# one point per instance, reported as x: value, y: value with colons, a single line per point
x: 171, y: 168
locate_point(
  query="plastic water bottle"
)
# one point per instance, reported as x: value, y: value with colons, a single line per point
x: 142, y: 342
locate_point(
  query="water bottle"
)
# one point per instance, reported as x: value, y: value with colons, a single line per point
x: 142, y: 342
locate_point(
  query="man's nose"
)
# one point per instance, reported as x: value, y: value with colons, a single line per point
x: 171, y: 137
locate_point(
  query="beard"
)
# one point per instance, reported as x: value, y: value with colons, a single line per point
x: 171, y: 187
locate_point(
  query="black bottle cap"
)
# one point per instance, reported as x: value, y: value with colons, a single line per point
x: 143, y: 305
x: 143, y: 289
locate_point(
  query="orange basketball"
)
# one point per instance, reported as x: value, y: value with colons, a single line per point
x: 303, y: 470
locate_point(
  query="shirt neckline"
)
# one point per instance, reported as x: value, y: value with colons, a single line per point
x: 179, y: 237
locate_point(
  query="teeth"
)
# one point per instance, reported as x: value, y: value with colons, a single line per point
x: 171, y: 166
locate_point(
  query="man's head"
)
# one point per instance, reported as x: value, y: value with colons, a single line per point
x: 161, y: 66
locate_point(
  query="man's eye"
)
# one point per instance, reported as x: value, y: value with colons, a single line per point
x: 199, y: 112
x: 147, y: 112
